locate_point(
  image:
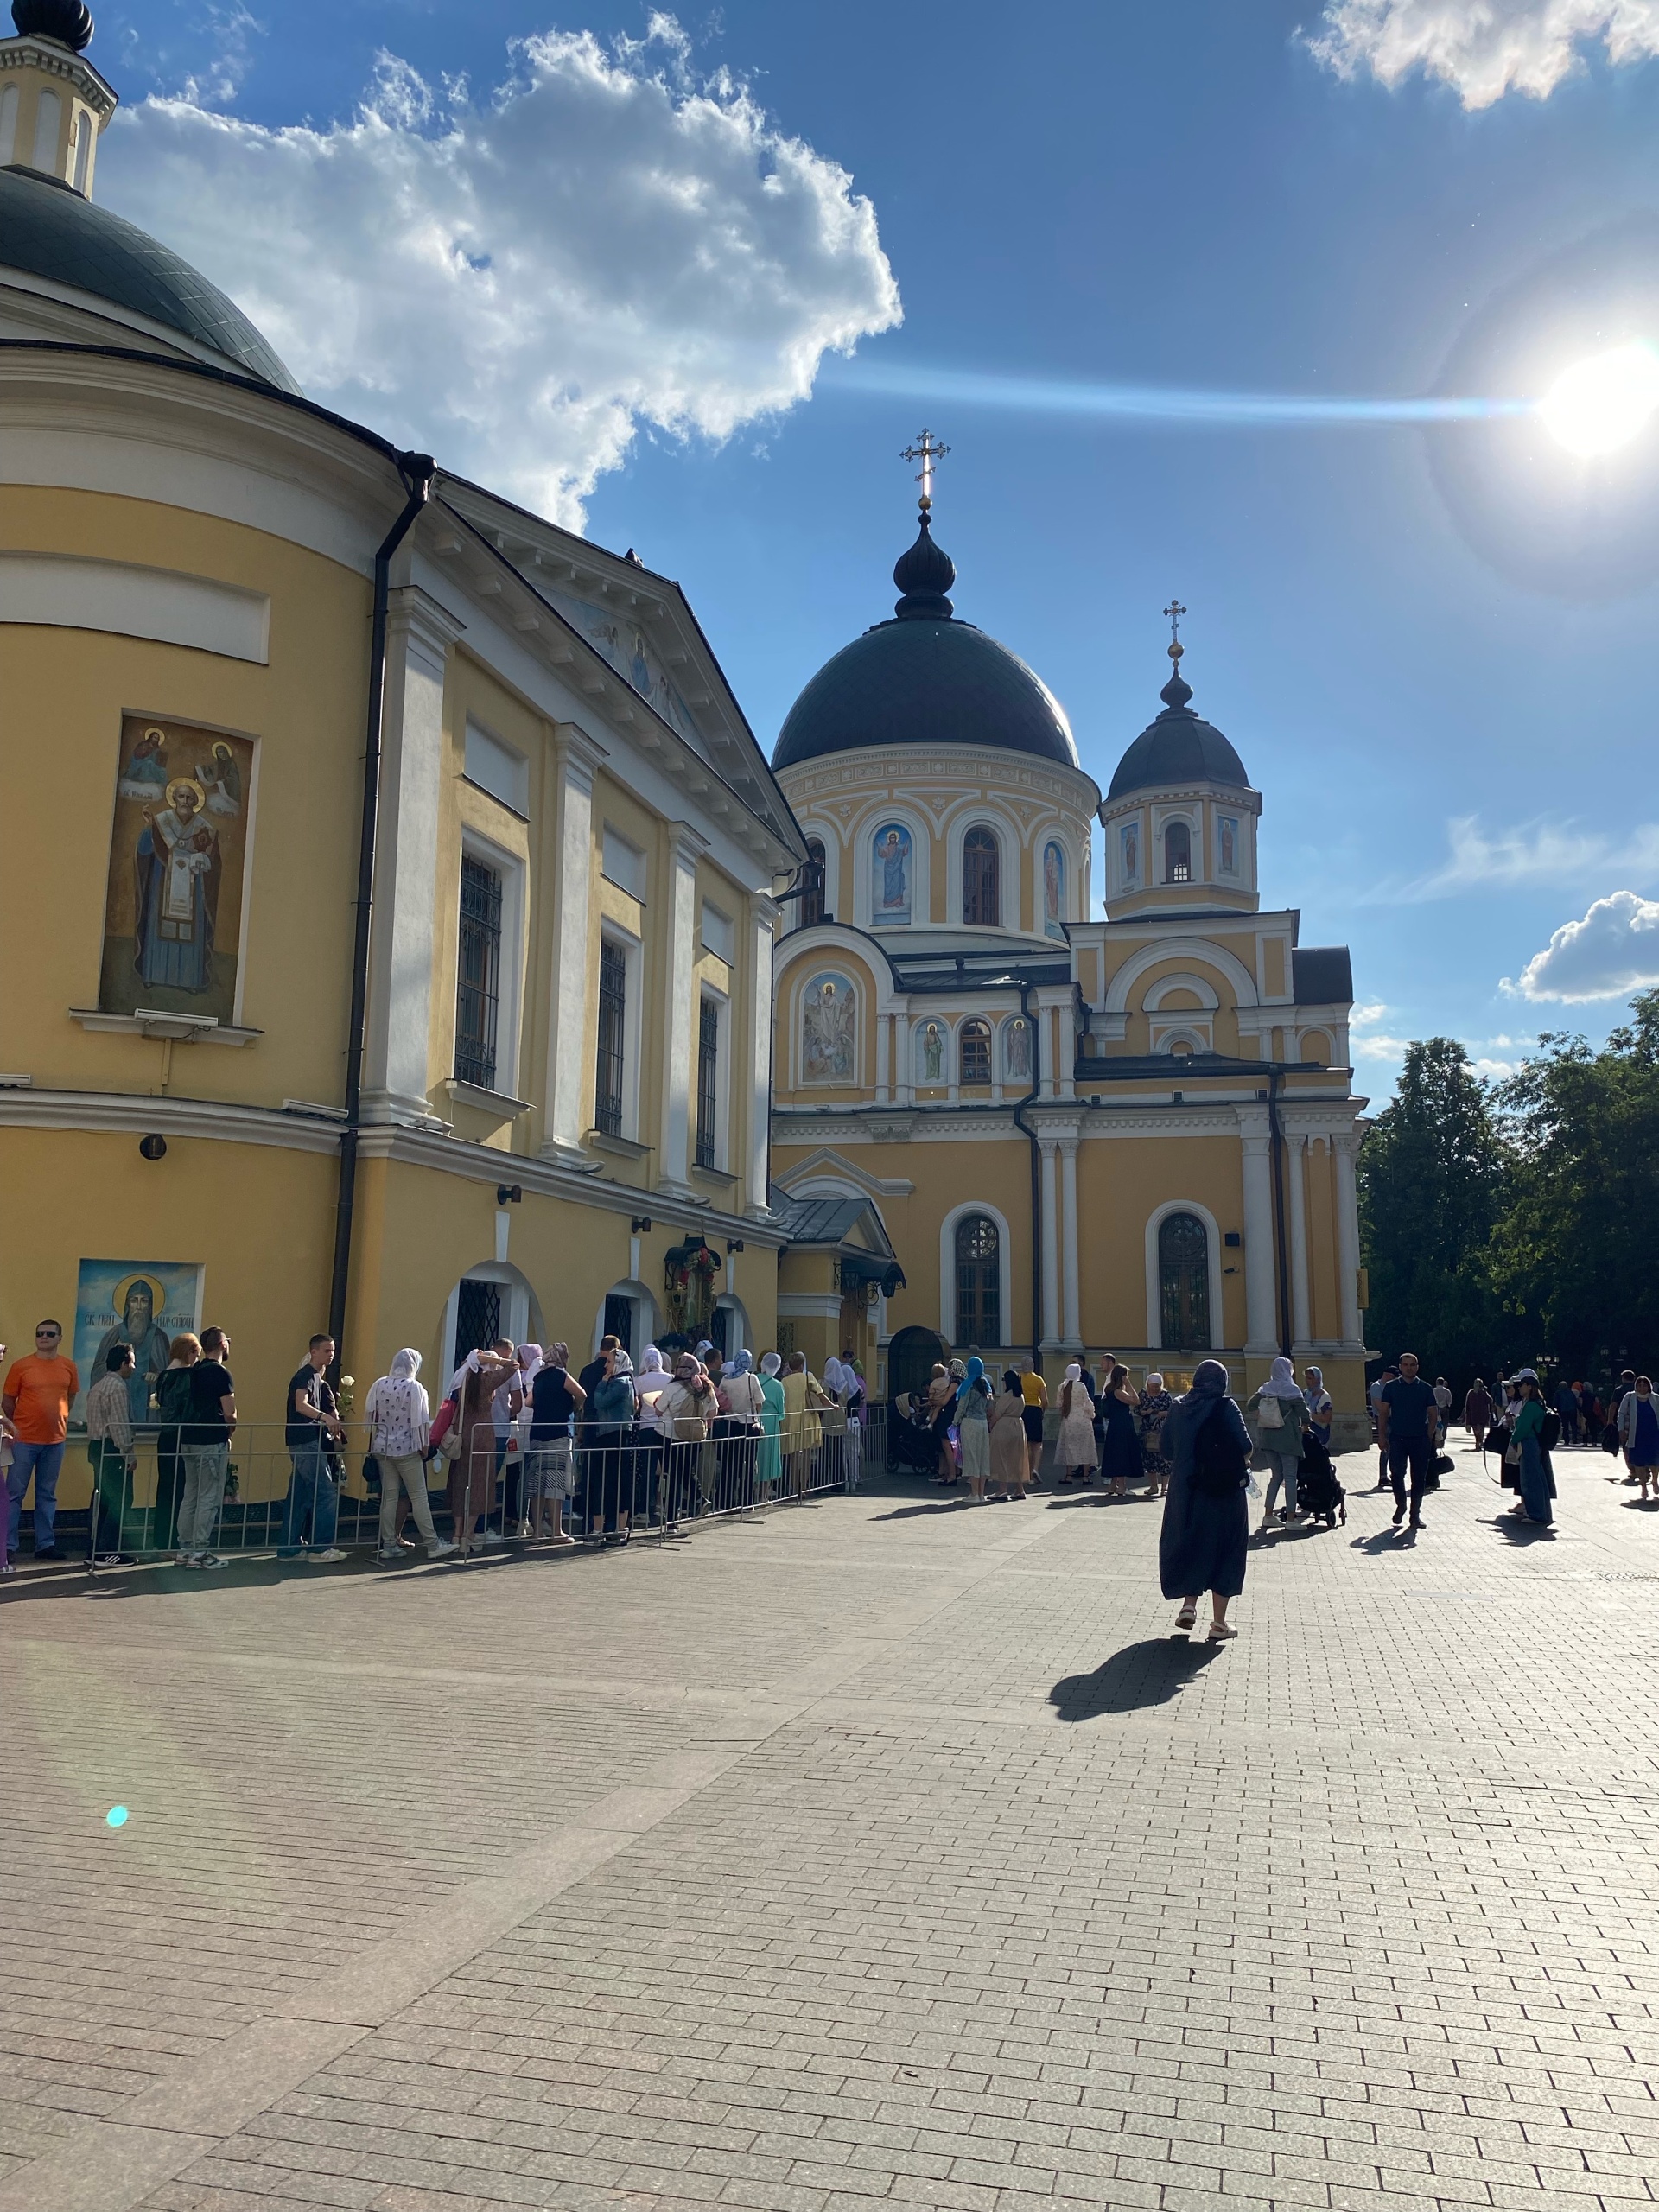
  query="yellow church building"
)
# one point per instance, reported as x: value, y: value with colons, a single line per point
x: 1132, y: 1135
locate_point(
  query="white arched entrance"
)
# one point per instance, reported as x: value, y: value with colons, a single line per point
x: 491, y: 1300
x: 628, y: 1310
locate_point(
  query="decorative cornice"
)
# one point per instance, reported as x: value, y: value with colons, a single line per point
x: 55, y: 61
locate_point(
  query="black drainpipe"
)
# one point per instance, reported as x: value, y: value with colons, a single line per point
x: 1020, y: 1123
x: 417, y: 470
x: 1281, y: 1254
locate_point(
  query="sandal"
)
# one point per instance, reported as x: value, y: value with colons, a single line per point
x: 1220, y: 1633
x: 1187, y: 1616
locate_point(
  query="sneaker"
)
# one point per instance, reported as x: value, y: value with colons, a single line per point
x: 182, y: 1558
x: 6, y: 1566
x: 440, y: 1548
x: 331, y: 1557
x: 390, y: 1558
x: 114, y: 1559
x: 211, y: 1564
x: 491, y: 1536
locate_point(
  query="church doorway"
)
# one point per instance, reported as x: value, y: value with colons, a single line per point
x: 911, y: 1357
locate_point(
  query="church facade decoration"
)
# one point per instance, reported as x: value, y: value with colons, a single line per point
x: 891, y: 864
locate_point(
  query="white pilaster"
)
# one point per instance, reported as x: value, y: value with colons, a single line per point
x: 1345, y: 1144
x: 402, y: 943
x: 760, y: 1154
x: 1296, y: 1174
x: 568, y: 1073
x: 904, y: 1053
x: 1261, y: 1330
x: 675, y: 1158
x: 883, y: 1062
x: 1054, y: 1003
x: 1050, y: 1336
x: 1072, y: 1302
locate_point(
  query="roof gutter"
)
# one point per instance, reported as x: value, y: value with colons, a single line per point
x: 418, y: 471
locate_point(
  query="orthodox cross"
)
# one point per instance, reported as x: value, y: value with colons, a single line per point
x: 927, y: 450
x: 1172, y: 614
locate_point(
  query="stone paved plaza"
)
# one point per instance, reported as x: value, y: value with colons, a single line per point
x: 868, y: 1852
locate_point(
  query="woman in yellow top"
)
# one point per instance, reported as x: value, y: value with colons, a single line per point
x: 1034, y: 1391
x: 805, y: 1398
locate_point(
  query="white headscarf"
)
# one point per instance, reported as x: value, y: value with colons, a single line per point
x: 1154, y: 1382
x: 458, y: 1380
x: 1073, y: 1374
x: 772, y: 1364
x: 405, y: 1364
x: 1281, y: 1383
x: 834, y: 1376
x: 530, y: 1362
x: 650, y: 1362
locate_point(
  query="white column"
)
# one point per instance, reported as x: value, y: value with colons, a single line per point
x: 1068, y: 1148
x: 567, y: 1072
x: 1296, y: 1172
x: 1260, y: 1330
x: 675, y: 1158
x: 759, y: 1149
x: 403, y: 940
x: 1345, y: 1144
x: 1058, y: 1041
x: 1051, y: 1336
x: 883, y: 1046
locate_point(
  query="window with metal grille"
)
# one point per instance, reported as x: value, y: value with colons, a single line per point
x: 478, y: 1317
x: 613, y: 1030
x: 1178, y: 853
x: 979, y: 1300
x: 976, y: 1043
x: 1184, y: 1277
x: 812, y: 883
x: 619, y: 1319
x: 982, y: 891
x: 708, y: 1082
x: 478, y: 997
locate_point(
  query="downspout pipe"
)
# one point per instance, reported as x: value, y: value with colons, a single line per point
x: 418, y: 471
x: 1020, y: 1123
x: 1281, y: 1248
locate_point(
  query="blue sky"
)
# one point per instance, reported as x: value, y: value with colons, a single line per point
x: 1434, y: 649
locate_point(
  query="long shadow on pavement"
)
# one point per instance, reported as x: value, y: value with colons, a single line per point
x: 1140, y: 1675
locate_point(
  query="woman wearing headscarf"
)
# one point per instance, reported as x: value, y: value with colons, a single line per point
x: 1206, y: 1535
x: 941, y: 1408
x: 847, y: 1389
x: 651, y: 1379
x: 1156, y: 1406
x: 973, y: 1428
x: 399, y: 1421
x: 803, y: 1402
x: 1119, y: 1453
x: 1527, y: 1434
x: 687, y: 1410
x: 1638, y: 1433
x: 1075, y: 1449
x: 1282, y: 1412
x: 608, y: 1453
x: 1010, y: 1466
x: 472, y: 1465
x: 769, y: 1464
x: 737, y: 1434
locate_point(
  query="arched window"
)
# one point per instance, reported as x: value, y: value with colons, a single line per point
x: 1184, y: 1276
x: 1177, y: 853
x: 812, y: 883
x: 975, y: 1041
x: 979, y: 1302
x: 982, y: 889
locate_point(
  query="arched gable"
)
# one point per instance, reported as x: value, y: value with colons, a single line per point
x: 1199, y: 951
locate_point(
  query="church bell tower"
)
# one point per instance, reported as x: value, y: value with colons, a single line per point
x: 53, y: 104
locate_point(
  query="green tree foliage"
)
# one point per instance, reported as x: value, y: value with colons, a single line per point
x: 1572, y: 1250
x: 1433, y: 1175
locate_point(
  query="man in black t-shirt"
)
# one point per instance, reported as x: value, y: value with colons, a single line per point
x: 204, y: 1445
x: 310, y: 1427
x: 1407, y: 1422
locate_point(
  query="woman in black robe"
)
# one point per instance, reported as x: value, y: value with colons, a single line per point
x: 1204, y: 1539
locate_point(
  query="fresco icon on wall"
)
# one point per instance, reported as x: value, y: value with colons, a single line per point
x: 890, y: 875
x: 1016, y: 1049
x: 929, y: 1044
x: 1227, y: 839
x: 1128, y: 848
x: 172, y: 904
x: 1053, y: 890
x: 141, y: 1303
x: 828, y: 1042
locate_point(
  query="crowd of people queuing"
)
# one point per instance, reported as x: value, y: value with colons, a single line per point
x: 525, y: 1448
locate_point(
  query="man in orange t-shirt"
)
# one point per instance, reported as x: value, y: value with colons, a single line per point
x: 38, y: 1395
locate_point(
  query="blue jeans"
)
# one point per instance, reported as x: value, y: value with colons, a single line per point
x: 311, y: 1492
x: 42, y: 1461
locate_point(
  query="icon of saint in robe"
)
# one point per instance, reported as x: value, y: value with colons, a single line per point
x: 178, y: 882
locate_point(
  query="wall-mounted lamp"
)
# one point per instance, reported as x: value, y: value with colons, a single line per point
x: 508, y: 1194
x: 152, y: 1148
x: 733, y: 1244
x: 1232, y: 1239
x: 640, y: 1225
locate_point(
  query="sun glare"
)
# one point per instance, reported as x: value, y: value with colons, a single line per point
x: 1604, y: 402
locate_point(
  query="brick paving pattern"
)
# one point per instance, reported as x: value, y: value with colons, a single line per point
x: 874, y: 1851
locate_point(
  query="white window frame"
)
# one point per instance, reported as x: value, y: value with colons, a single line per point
x: 612, y: 932
x: 1008, y: 873
x: 509, y: 1005
x: 1155, y: 1221
x: 948, y: 1267
x: 720, y: 1000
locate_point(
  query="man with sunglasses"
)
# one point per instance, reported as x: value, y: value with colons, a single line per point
x: 38, y: 1392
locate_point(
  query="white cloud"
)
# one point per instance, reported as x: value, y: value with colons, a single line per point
x: 1495, y: 1071
x: 1517, y: 855
x: 1483, y: 49
x: 519, y: 280
x: 1614, y: 949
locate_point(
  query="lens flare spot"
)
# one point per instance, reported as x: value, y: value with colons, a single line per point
x: 116, y: 1817
x: 1600, y: 404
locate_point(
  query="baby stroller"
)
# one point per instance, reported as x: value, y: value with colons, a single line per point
x: 912, y: 1448
x: 1318, y: 1491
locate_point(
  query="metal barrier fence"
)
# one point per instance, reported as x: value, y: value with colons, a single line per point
x: 256, y: 1494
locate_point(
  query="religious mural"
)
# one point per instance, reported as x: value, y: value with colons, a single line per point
x: 1227, y: 843
x: 1053, y: 890
x: 828, y: 1039
x: 932, y: 1039
x: 173, y: 907
x: 1016, y: 1049
x: 1128, y: 855
x: 891, y: 860
x: 141, y: 1303
x: 624, y: 643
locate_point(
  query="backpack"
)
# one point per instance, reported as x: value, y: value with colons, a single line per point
x: 1551, y: 1434
x: 1219, y: 1460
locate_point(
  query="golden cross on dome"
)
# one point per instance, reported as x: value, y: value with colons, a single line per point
x: 1172, y: 614
x: 927, y: 450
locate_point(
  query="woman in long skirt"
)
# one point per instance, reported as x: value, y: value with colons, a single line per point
x: 972, y: 1428
x: 1120, y: 1457
x: 1010, y: 1466
x: 1075, y: 1449
x: 1537, y: 1476
x: 769, y: 1466
x: 1156, y: 1406
x: 1204, y: 1539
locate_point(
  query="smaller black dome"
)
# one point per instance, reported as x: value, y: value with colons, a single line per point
x: 924, y: 575
x: 1179, y: 748
x: 67, y: 21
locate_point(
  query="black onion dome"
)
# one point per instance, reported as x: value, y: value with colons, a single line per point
x: 66, y: 22
x: 50, y: 231
x: 924, y: 678
x: 1179, y: 748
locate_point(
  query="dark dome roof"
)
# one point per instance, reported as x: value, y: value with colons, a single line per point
x: 924, y: 678
x: 49, y: 230
x: 1179, y: 748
